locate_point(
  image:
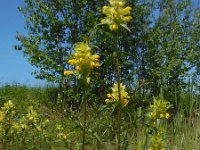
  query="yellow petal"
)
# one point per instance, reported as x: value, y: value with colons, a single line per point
x: 72, y: 61
x: 127, y: 19
x: 109, y: 95
x: 88, y: 80
x: 78, y: 68
x: 68, y: 72
x: 114, y: 27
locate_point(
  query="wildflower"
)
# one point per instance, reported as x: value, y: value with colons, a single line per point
x: 88, y: 80
x: 2, y: 116
x: 114, y: 96
x: 159, y: 110
x: 8, y: 105
x: 68, y: 72
x: 72, y: 61
x: 32, y: 115
x: 61, y: 136
x: 83, y: 60
x: 116, y: 14
x: 156, y: 142
x: 167, y: 115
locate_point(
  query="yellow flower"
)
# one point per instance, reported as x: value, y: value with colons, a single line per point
x: 114, y: 96
x: 8, y: 105
x: 72, y: 61
x: 32, y: 115
x: 2, y: 116
x: 107, y: 100
x: 78, y: 68
x: 116, y: 14
x: 159, y: 110
x: 157, y: 142
x: 109, y: 95
x: 161, y: 116
x: 114, y: 27
x: 127, y: 11
x: 127, y: 19
x: 88, y: 80
x: 68, y: 72
x: 152, y: 115
x: 61, y: 136
x: 83, y: 60
x: 167, y: 115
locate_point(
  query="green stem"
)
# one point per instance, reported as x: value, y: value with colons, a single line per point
x: 84, y: 115
x: 119, y: 93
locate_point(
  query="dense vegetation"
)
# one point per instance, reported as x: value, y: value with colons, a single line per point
x: 90, y: 50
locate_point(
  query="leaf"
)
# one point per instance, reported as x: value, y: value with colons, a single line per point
x: 125, y: 26
x: 97, y: 137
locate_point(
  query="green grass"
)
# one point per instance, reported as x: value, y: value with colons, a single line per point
x: 182, y: 129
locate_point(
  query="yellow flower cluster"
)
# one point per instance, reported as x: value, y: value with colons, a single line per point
x: 156, y: 142
x: 114, y: 96
x: 30, y: 121
x: 6, y: 111
x: 8, y: 106
x: 32, y: 115
x: 159, y: 110
x: 116, y: 14
x: 83, y: 60
x: 61, y: 135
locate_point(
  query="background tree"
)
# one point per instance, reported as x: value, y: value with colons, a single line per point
x: 160, y: 50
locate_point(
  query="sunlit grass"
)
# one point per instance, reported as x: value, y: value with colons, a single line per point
x: 182, y: 130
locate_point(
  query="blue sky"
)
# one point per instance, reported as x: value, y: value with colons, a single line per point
x: 14, y: 66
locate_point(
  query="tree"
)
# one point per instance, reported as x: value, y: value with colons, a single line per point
x: 53, y: 28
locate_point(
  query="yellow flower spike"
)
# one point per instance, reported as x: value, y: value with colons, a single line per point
x: 83, y: 59
x: 114, y: 97
x: 159, y: 109
x: 8, y: 105
x: 68, y: 72
x: 116, y: 14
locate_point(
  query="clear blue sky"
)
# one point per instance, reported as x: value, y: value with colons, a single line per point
x: 14, y: 67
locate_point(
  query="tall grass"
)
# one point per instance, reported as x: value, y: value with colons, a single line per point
x: 182, y: 130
